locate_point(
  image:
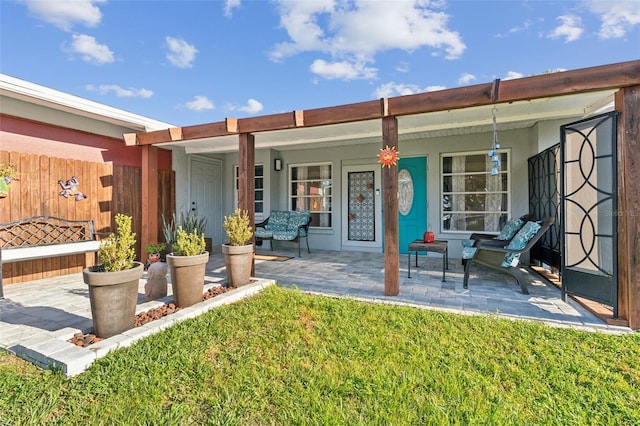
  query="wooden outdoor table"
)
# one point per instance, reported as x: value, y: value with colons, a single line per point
x: 438, y: 246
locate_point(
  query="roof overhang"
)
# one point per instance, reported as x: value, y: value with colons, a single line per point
x: 34, y: 94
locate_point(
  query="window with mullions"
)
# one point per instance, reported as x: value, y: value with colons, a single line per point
x: 310, y: 189
x: 258, y: 190
x: 472, y: 199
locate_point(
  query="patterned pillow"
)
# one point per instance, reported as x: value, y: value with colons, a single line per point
x: 519, y: 242
x: 510, y: 229
x: 296, y: 219
x: 278, y: 220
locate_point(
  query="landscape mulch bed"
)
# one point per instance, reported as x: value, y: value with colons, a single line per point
x: 86, y: 339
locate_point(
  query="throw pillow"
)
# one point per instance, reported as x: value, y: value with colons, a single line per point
x: 510, y: 229
x: 518, y: 242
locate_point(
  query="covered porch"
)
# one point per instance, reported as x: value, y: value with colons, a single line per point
x: 436, y: 125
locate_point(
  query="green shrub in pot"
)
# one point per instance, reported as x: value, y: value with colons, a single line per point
x: 117, y: 251
x: 113, y: 285
x: 238, y: 228
x: 188, y: 244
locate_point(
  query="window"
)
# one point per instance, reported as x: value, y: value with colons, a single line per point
x: 310, y: 189
x: 259, y: 190
x: 472, y: 199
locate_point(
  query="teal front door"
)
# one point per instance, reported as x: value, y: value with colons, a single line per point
x: 412, y: 200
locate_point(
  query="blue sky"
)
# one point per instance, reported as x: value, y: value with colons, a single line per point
x: 192, y: 62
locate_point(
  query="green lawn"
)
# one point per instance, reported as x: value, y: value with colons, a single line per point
x: 287, y: 358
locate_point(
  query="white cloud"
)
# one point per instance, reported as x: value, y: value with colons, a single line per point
x: 120, y: 92
x: 200, y: 103
x: 466, y: 78
x: 342, y: 70
x: 434, y: 88
x: 402, y: 67
x: 252, y: 107
x: 64, y: 14
x: 525, y: 25
x: 229, y: 5
x: 181, y: 54
x: 90, y: 50
x: 617, y: 17
x: 570, y: 28
x: 357, y: 30
x: 511, y: 75
x: 391, y: 89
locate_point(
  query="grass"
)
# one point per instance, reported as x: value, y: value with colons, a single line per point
x: 284, y: 357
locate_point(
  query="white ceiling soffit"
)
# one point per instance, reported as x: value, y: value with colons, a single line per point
x: 516, y: 115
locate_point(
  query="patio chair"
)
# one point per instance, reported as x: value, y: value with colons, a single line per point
x: 508, y: 231
x: 507, y: 259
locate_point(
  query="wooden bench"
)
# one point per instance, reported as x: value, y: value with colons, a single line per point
x: 41, y: 237
x: 285, y: 226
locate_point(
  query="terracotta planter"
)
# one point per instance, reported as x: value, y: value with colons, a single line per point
x: 113, y: 297
x: 187, y: 278
x: 238, y: 261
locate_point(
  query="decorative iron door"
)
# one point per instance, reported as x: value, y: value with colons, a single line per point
x: 589, y: 209
x: 544, y: 201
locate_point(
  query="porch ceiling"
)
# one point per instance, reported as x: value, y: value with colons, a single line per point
x: 512, y: 115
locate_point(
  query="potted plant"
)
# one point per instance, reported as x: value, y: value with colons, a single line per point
x: 113, y: 284
x: 189, y: 221
x: 153, y: 250
x: 187, y: 265
x: 7, y: 174
x: 238, y: 250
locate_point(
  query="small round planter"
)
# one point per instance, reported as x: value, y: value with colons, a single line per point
x: 187, y: 278
x: 113, y: 297
x: 238, y: 261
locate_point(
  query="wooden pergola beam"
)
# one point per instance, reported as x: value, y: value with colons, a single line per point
x: 585, y: 80
x: 391, y: 225
x: 246, y: 174
x: 627, y: 102
x: 149, y: 207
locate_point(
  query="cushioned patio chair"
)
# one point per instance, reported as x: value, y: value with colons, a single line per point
x: 508, y: 231
x: 285, y: 226
x: 506, y: 259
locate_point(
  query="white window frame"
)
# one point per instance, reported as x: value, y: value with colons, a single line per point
x: 290, y: 182
x: 504, y: 169
x: 259, y: 217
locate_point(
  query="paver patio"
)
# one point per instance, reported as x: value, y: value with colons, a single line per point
x: 36, y: 318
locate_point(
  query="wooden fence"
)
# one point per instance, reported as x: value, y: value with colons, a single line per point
x: 108, y: 190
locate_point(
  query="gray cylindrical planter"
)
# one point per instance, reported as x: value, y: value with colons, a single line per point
x: 113, y: 297
x: 238, y: 261
x: 187, y: 278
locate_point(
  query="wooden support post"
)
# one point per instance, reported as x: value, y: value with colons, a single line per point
x: 627, y: 102
x: 390, y: 190
x: 149, y: 200
x: 246, y: 178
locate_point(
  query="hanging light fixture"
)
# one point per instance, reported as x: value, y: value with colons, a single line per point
x: 495, y: 146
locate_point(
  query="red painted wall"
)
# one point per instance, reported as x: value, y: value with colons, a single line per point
x: 32, y: 137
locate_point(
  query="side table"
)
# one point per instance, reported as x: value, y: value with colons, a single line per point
x: 438, y: 246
